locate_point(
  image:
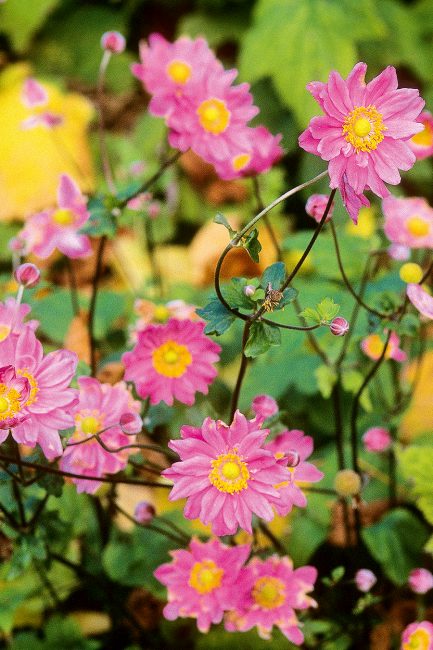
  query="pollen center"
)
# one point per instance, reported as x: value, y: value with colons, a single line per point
x: 161, y: 313
x: 9, y: 402
x: 269, y: 592
x: 90, y: 425
x: 241, y: 161
x: 33, y: 386
x: 4, y: 405
x: 179, y: 71
x: 63, y: 217
x: 4, y: 332
x: 363, y: 128
x: 229, y: 473
x: 417, y: 226
x: 205, y: 576
x: 171, y: 359
x: 419, y: 640
x: 214, y: 115
x: 424, y: 138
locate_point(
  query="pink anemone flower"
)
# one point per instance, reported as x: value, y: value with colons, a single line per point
x: 408, y: 222
x: 225, y: 473
x: 59, y: 228
x: 417, y: 636
x: 420, y: 299
x: 422, y: 143
x: 14, y: 393
x: 203, y: 581
x: 12, y: 318
x: 263, y: 152
x: 373, y: 345
x: 364, y: 133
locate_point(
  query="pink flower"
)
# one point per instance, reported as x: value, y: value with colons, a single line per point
x: 167, y: 70
x: 113, y: 42
x: 422, y: 143
x: 263, y: 152
x: 364, y: 133
x: 417, y: 636
x: 47, y: 119
x: 408, y: 222
x: 50, y: 401
x: 377, y: 439
x: 144, y: 512
x: 59, y: 228
x: 12, y: 318
x: 203, y: 582
x: 99, y: 409
x: 316, y: 206
x: 264, y: 407
x: 365, y: 579
x: 399, y: 252
x: 225, y: 473
x: 339, y: 326
x: 131, y: 423
x: 420, y: 581
x: 14, y: 393
x: 33, y: 94
x: 27, y: 274
x: 291, y: 449
x: 271, y: 590
x: 373, y: 345
x: 170, y: 361
x: 420, y: 299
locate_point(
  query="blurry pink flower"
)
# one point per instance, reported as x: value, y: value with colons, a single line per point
x: 417, y: 636
x: 14, y: 393
x: 144, y: 512
x: 372, y: 346
x: 226, y: 474
x: 264, y: 406
x: 51, y: 229
x: 27, y: 274
x: 364, y: 133
x: 50, y: 401
x: 377, y: 439
x: 100, y: 406
x: 420, y: 299
x: 154, y: 209
x: 420, y: 581
x: 365, y: 579
x: 203, y: 582
x: 263, y: 152
x: 130, y: 423
x: 339, y: 326
x: 422, y: 143
x: 47, y: 119
x: 399, y: 252
x: 270, y: 591
x: 33, y: 94
x: 408, y: 222
x: 291, y: 449
x: 316, y: 206
x: 172, y: 361
x: 113, y: 42
x: 12, y: 318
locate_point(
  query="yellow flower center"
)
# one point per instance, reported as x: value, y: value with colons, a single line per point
x: 411, y: 273
x: 33, y: 386
x: 63, y: 217
x: 4, y: 332
x: 241, y: 161
x: 88, y: 422
x: 374, y: 346
x: 419, y: 640
x: 4, y: 404
x: 205, y: 576
x: 364, y: 128
x: 171, y: 359
x: 179, y: 71
x: 417, y: 226
x: 9, y: 402
x: 269, y: 592
x: 214, y: 115
x: 161, y: 313
x: 90, y: 425
x: 229, y: 473
x: 424, y: 138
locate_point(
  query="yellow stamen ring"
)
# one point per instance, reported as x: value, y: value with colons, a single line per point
x: 363, y: 128
x: 229, y: 473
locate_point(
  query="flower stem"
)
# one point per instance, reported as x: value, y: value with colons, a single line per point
x: 106, y: 167
x: 92, y: 307
x: 241, y: 374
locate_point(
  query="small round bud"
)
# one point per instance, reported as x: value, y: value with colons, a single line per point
x: 144, y: 512
x: 28, y: 275
x: 420, y: 581
x: 293, y: 458
x: 17, y: 245
x: 377, y: 439
x: 399, y: 252
x: 365, y: 579
x: 264, y: 406
x: 316, y: 206
x: 347, y: 483
x: 249, y: 290
x: 131, y: 423
x: 411, y: 273
x: 113, y: 42
x: 339, y: 326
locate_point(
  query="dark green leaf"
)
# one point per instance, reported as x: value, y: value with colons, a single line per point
x: 289, y: 296
x: 261, y: 338
x: 101, y: 220
x: 274, y: 275
x: 220, y: 218
x: 217, y: 316
x: 252, y: 245
x: 235, y: 295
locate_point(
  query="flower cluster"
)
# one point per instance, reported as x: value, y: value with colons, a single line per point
x: 417, y: 636
x: 148, y: 312
x: 204, y: 111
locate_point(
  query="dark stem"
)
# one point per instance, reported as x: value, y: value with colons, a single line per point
x: 92, y: 306
x: 270, y: 535
x: 73, y: 286
x: 156, y: 176
x: 151, y: 526
x: 241, y: 374
x: 260, y: 206
x: 150, y: 243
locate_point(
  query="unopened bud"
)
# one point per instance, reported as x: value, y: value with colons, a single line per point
x: 131, y: 423
x: 339, y: 326
x: 399, y: 252
x: 249, y: 290
x: 28, y: 275
x: 144, y: 512
x: 347, y: 483
x: 293, y: 458
x: 420, y: 581
x: 365, y: 579
x: 316, y: 206
x: 113, y: 42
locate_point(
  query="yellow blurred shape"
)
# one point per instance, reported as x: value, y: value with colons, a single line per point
x: 418, y: 419
x: 366, y: 224
x: 32, y: 160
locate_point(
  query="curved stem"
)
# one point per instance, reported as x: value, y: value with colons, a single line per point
x: 106, y: 167
x: 92, y: 306
x: 156, y: 176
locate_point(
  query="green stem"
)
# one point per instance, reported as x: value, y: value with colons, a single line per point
x: 241, y: 374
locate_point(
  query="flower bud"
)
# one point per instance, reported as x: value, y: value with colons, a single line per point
x: 316, y: 206
x: 249, y: 290
x: 347, y: 483
x: 264, y: 406
x: 420, y: 581
x: 365, y: 579
x: 339, y: 326
x: 131, y: 423
x: 399, y: 252
x: 377, y: 439
x: 154, y: 210
x: 144, y: 512
x: 113, y: 42
x: 27, y: 275
x: 411, y: 273
x: 293, y: 458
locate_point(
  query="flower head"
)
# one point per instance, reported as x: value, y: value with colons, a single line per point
x: 420, y: 581
x: 365, y: 579
x: 263, y: 152
x: 417, y: 636
x: 377, y: 439
x: 27, y: 274
x: 422, y: 143
x: 144, y: 512
x: 316, y: 206
x: 373, y: 346
x: 408, y: 222
x: 12, y: 318
x: 14, y: 393
x: 264, y: 407
x: 203, y: 581
x: 270, y: 592
x: 59, y: 228
x: 364, y: 132
x: 339, y: 326
x: 420, y: 299
x: 113, y: 42
x: 170, y: 361
x: 226, y: 474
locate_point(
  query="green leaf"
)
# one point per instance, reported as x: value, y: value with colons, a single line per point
x: 352, y: 380
x: 327, y: 309
x: 101, y: 221
x: 326, y: 378
x: 261, y: 338
x: 220, y: 218
x: 52, y: 483
x: 235, y: 296
x: 20, y: 19
x: 396, y: 542
x: 252, y: 245
x: 311, y: 314
x: 217, y: 316
x: 416, y: 463
x: 274, y: 275
x: 409, y: 325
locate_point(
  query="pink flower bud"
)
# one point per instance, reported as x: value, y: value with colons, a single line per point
x: 144, y: 512
x: 27, y: 274
x: 264, y: 406
x: 377, y: 439
x: 293, y: 458
x: 420, y: 581
x: 131, y: 423
x: 339, y: 326
x: 17, y: 245
x: 316, y: 206
x: 399, y: 252
x: 365, y: 579
x: 113, y: 42
x: 154, y: 209
x: 33, y: 94
x: 249, y: 290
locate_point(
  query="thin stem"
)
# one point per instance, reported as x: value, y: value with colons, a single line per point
x: 156, y: 176
x: 151, y: 526
x: 260, y: 206
x: 150, y: 242
x: 339, y: 434
x: 92, y: 306
x: 310, y: 336
x: 106, y: 167
x: 73, y: 286
x: 241, y: 374
x: 270, y: 535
